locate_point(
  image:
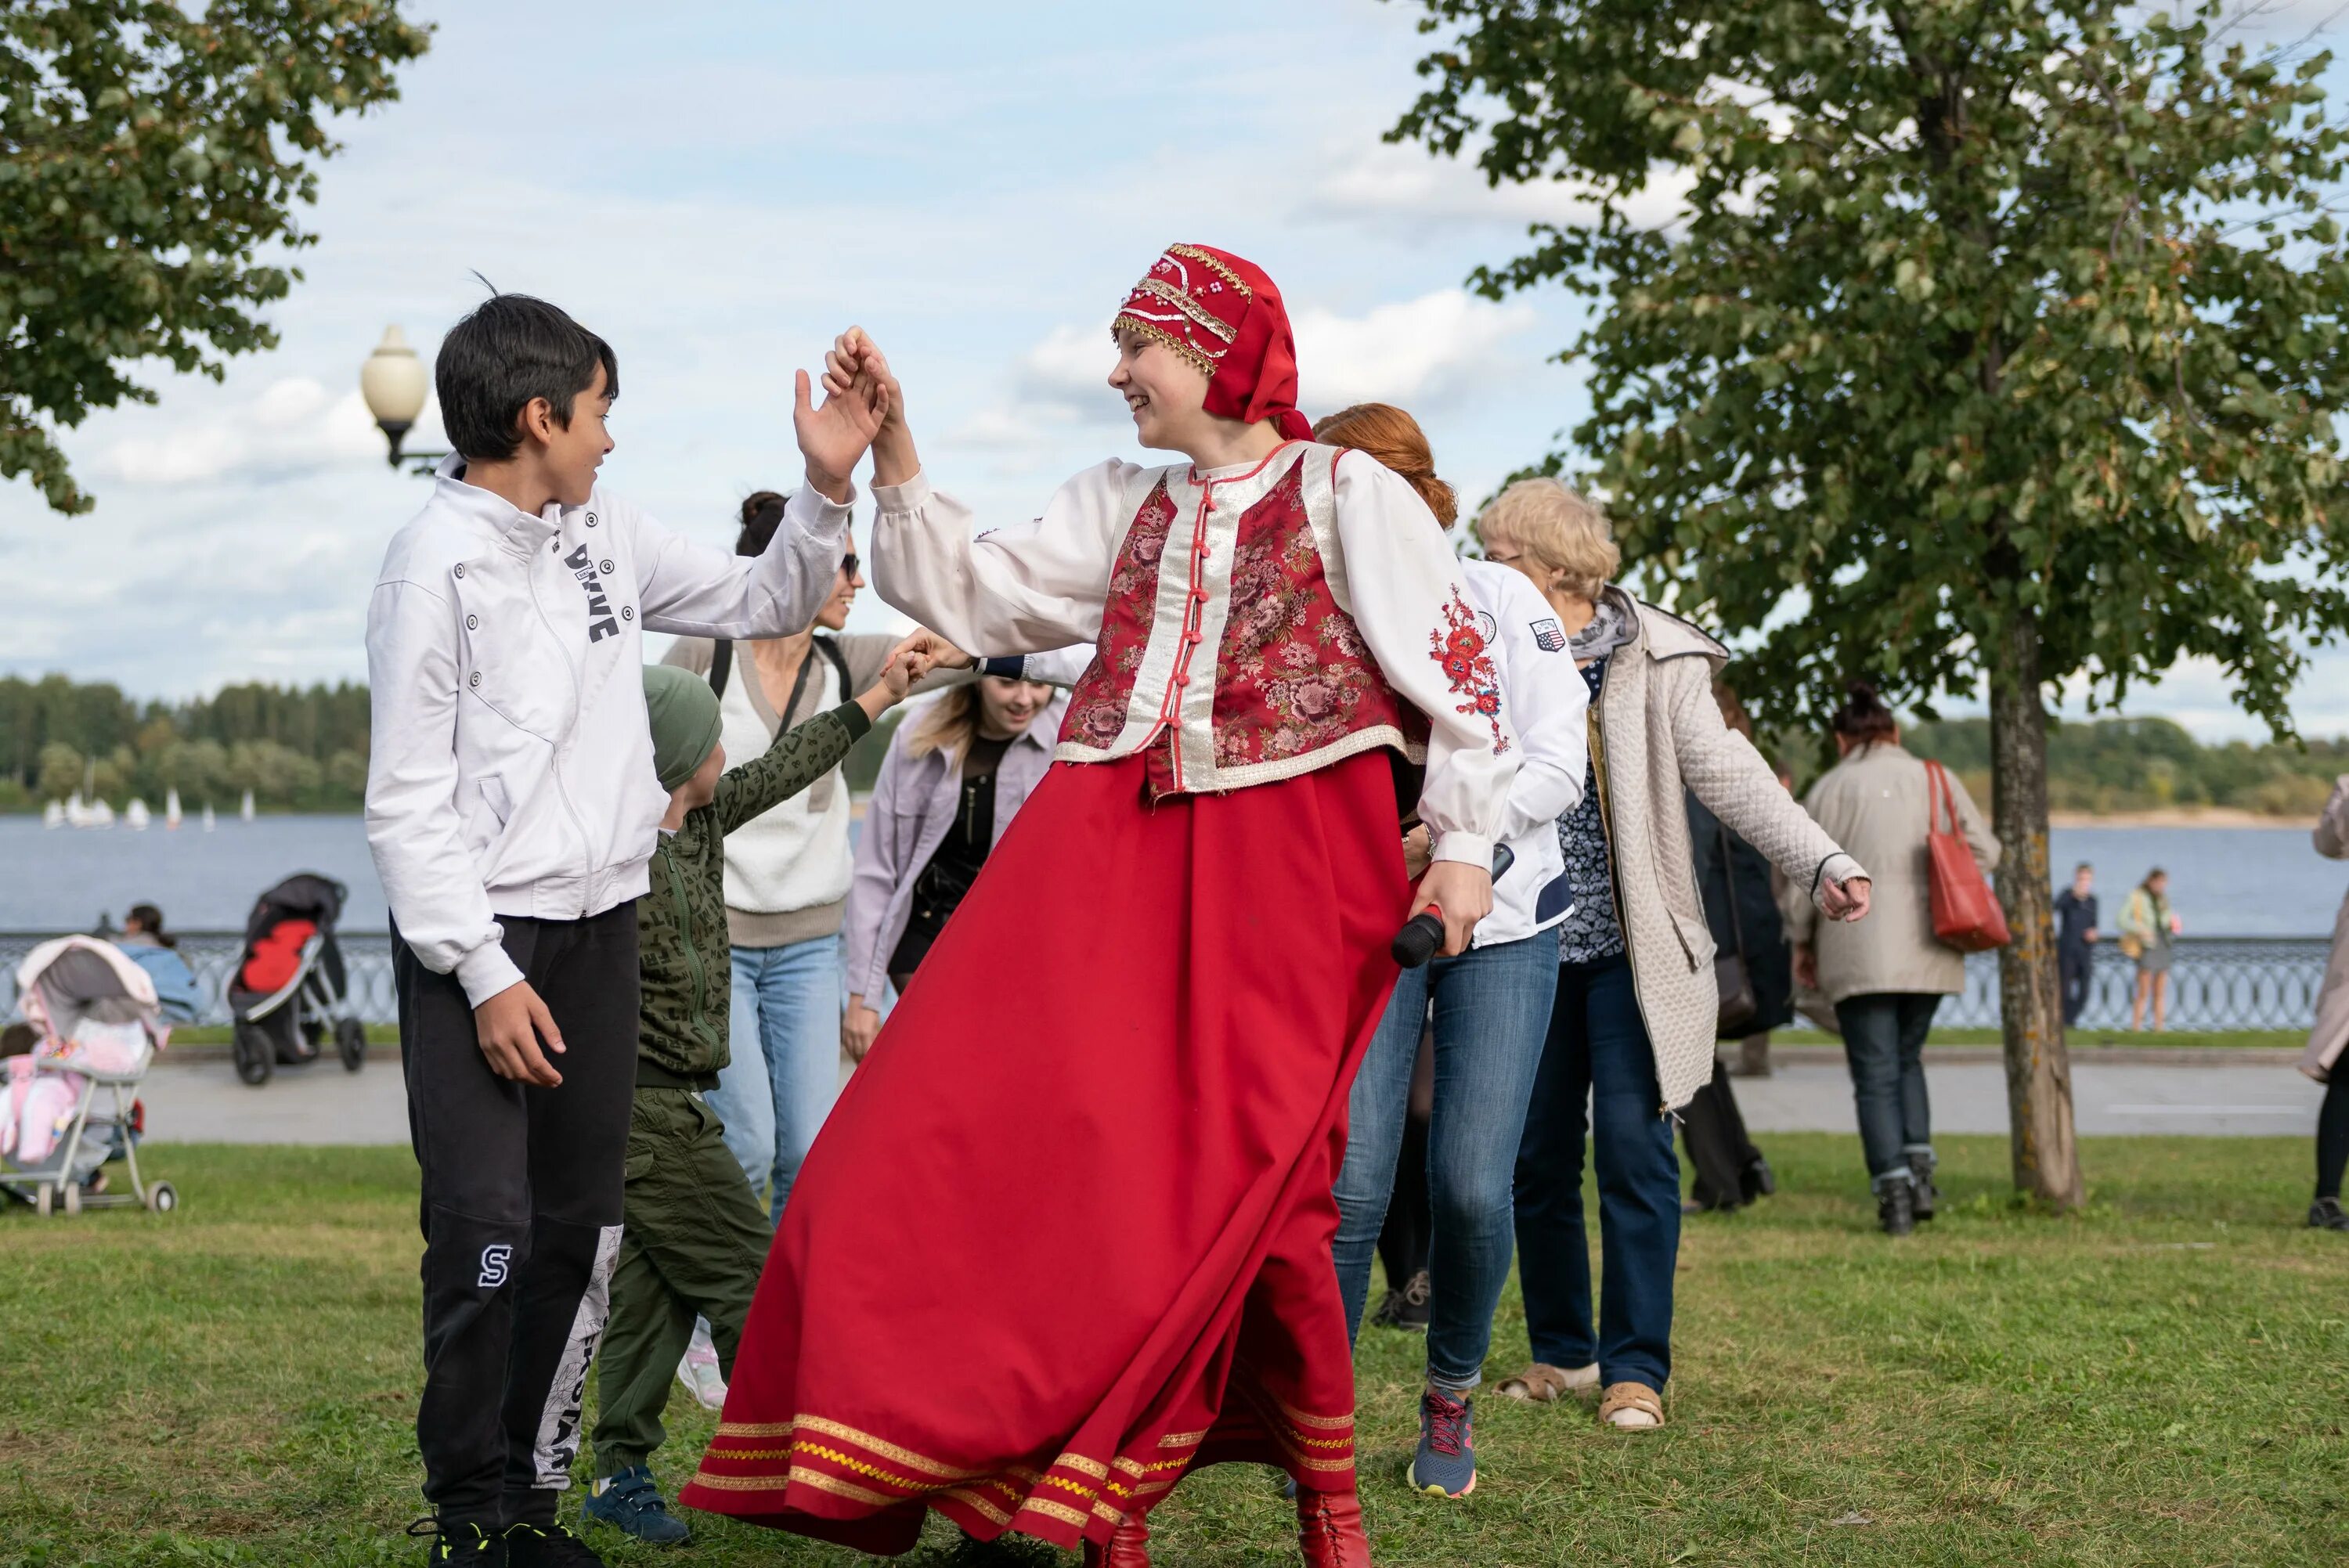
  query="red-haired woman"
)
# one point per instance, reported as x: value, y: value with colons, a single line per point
x: 1101, y: 1218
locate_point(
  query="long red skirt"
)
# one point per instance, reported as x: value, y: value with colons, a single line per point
x: 1067, y: 1232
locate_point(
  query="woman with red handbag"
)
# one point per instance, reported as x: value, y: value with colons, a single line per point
x: 1888, y: 975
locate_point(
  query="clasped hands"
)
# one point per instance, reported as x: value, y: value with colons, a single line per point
x: 864, y: 408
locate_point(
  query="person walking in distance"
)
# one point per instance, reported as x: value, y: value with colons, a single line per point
x: 1491, y: 1003
x: 1631, y: 1033
x: 2075, y: 939
x: 2331, y: 1034
x: 2149, y: 929
x: 1214, y: 867
x: 1886, y: 979
x: 1755, y: 969
x: 511, y: 809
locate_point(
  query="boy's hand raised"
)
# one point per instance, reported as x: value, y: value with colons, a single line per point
x: 509, y: 1025
x: 834, y: 436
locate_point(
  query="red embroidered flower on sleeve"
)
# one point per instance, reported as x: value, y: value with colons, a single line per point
x: 1468, y: 667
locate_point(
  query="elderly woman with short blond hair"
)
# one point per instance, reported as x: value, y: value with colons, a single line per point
x: 1632, y: 1030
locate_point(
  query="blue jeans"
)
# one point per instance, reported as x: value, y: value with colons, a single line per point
x: 784, y: 1034
x: 1599, y: 1052
x: 1884, y: 1042
x: 1492, y: 1007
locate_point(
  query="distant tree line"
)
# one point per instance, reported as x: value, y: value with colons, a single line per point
x: 305, y: 749
x: 2115, y: 765
x: 302, y: 748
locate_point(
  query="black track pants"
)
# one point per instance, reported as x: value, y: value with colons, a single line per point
x: 521, y: 1212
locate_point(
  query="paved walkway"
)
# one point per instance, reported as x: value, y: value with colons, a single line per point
x: 196, y: 1100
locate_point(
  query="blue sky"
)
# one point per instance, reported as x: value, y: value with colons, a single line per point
x: 718, y: 188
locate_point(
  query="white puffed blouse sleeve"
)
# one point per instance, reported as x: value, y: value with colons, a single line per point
x: 1025, y: 589
x: 1409, y: 597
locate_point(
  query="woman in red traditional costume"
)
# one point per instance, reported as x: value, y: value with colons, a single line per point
x: 1099, y: 1221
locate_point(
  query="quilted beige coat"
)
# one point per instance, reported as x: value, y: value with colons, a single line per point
x: 2332, y: 1031
x: 1656, y: 729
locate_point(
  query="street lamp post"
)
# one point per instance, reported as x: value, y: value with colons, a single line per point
x: 392, y: 382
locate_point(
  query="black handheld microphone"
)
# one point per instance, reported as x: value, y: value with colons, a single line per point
x: 1421, y: 937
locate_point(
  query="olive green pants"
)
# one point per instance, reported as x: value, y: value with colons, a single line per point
x: 693, y: 1245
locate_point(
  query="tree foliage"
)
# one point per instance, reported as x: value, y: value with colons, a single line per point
x: 304, y: 747
x: 1978, y: 313
x: 150, y: 158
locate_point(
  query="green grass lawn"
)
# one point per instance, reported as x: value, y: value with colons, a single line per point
x: 2161, y: 1380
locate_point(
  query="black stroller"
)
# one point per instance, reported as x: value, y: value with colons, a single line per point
x: 290, y: 991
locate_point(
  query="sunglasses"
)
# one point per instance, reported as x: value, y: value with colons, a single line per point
x: 848, y: 564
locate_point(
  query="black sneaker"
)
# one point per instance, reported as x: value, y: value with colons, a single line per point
x: 1408, y: 1308
x: 1896, y: 1207
x: 2326, y: 1214
x: 1920, y: 1166
x: 468, y: 1545
x: 547, y: 1547
x: 1757, y: 1179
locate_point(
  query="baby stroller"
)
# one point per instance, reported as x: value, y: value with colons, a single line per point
x: 289, y: 990
x: 95, y: 1013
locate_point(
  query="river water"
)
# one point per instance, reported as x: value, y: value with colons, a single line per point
x: 2225, y: 881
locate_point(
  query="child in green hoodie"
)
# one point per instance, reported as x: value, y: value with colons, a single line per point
x: 695, y: 1238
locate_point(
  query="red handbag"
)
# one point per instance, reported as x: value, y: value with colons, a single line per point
x: 1966, y: 915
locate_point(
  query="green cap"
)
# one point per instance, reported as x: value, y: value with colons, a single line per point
x: 684, y: 713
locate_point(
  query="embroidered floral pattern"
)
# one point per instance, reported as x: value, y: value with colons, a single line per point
x: 1293, y: 674
x: 1460, y: 649
x: 1097, y: 706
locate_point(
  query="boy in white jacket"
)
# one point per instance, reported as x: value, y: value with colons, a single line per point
x: 511, y: 808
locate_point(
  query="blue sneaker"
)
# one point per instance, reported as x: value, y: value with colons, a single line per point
x: 629, y: 1503
x: 1446, y: 1464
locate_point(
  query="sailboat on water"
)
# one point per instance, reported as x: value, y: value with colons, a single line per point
x: 245, y: 812
x: 172, y: 808
x: 136, y: 816
x: 53, y: 815
x: 208, y: 815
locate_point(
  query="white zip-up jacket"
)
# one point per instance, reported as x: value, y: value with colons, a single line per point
x: 510, y: 769
x: 1549, y: 702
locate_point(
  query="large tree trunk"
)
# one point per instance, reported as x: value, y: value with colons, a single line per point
x: 2038, y: 1069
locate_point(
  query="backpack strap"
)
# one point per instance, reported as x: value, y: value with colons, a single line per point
x: 721, y: 665
x: 830, y: 646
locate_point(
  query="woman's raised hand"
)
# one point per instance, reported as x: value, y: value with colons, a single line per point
x: 834, y: 436
x: 854, y: 356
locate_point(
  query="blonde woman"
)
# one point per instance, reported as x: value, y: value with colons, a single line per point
x: 1632, y: 1032
x: 957, y: 772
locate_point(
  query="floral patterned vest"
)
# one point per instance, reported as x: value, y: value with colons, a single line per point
x: 1226, y: 647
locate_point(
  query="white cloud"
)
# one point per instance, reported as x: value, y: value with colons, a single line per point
x: 1413, y: 352
x: 1404, y: 187
x: 293, y: 426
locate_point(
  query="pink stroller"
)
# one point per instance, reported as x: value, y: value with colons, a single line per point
x: 95, y: 1013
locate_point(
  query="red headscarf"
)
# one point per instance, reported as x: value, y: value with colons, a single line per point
x: 1223, y: 316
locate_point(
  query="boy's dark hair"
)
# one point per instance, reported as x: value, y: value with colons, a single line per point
x: 513, y: 348
x: 2083, y: 866
x: 18, y: 1040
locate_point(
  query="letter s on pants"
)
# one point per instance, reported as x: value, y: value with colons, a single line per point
x: 494, y: 1265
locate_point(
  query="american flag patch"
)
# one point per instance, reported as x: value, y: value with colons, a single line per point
x: 1548, y: 635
